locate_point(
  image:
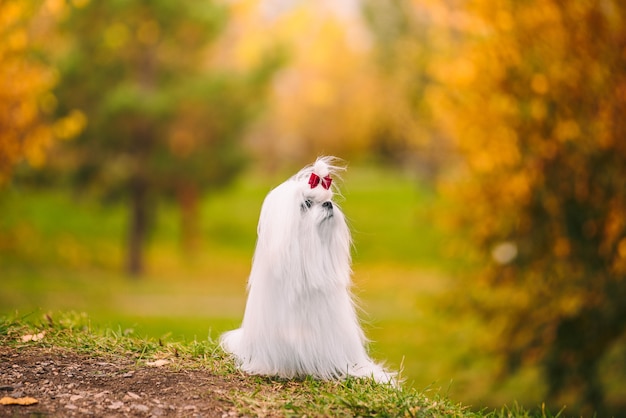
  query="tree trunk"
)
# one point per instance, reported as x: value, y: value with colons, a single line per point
x: 142, y: 145
x: 188, y: 202
x: 138, y: 226
x: 572, y: 363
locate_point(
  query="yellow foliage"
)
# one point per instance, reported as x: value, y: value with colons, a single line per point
x: 328, y: 97
x: 540, y: 84
x: 532, y: 94
x: 79, y: 4
x: 70, y: 126
x: 26, y: 131
x: 116, y: 35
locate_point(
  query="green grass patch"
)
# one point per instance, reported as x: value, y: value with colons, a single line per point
x: 60, y: 252
x: 254, y: 395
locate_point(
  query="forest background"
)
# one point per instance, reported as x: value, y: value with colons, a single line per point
x: 486, y: 183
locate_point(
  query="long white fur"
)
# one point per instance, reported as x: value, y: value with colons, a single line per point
x: 300, y: 318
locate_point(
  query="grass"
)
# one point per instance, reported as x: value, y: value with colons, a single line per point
x: 258, y: 396
x: 51, y: 261
x: 75, y: 331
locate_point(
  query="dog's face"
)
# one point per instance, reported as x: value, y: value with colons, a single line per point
x: 302, y: 230
x: 317, y: 208
x: 295, y: 212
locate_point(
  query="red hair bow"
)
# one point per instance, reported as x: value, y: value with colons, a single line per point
x: 314, y: 180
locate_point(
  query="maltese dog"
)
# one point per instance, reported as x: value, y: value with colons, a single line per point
x: 300, y: 319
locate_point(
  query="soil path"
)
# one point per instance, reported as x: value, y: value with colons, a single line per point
x: 67, y: 384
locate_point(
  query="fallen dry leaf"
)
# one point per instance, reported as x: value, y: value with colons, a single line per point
x: 158, y: 363
x: 33, y: 337
x: 7, y: 400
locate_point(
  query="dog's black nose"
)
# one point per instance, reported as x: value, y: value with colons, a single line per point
x: 327, y: 205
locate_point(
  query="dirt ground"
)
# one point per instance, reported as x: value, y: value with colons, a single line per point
x: 66, y: 384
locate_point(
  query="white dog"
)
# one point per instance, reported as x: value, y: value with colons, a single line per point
x: 300, y: 318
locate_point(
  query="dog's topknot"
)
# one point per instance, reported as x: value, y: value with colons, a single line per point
x: 321, y: 168
x: 324, y: 167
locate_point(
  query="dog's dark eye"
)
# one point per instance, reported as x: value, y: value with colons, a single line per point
x: 307, y: 204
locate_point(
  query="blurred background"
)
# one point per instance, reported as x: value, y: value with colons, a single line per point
x: 486, y: 151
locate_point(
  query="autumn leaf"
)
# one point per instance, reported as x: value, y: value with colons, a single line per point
x: 158, y: 363
x: 7, y: 400
x: 33, y: 337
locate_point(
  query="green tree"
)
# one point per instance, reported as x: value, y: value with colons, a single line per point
x: 163, y: 120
